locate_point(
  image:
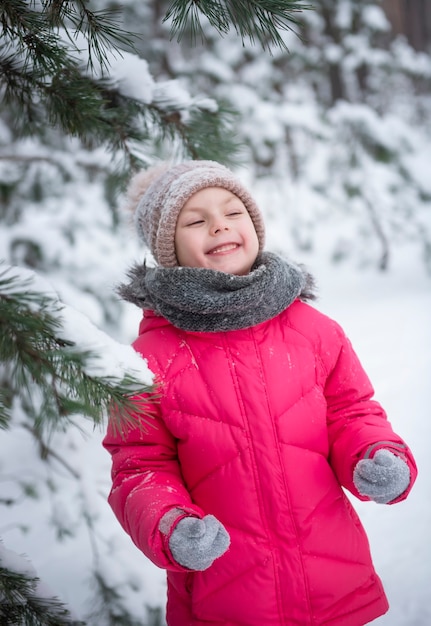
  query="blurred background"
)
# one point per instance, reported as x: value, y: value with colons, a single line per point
x: 329, y: 127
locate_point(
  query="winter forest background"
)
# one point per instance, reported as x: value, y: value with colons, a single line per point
x: 333, y: 125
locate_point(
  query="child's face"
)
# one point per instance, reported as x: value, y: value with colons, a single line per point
x: 214, y: 230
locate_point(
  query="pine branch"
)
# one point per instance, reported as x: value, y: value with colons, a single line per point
x: 98, y: 113
x: 35, y: 32
x: 48, y: 373
x: 102, y: 32
x: 206, y: 135
x: 6, y: 400
x: 262, y: 19
x: 51, y: 82
x: 22, y: 599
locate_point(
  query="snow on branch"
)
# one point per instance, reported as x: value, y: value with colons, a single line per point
x: 57, y: 362
x: 24, y: 599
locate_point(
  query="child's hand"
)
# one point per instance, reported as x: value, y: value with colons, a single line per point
x: 382, y: 478
x: 195, y: 543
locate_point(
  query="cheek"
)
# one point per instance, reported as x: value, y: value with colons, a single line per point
x: 254, y: 241
x: 186, y: 246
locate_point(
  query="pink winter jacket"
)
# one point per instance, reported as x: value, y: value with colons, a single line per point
x: 258, y: 427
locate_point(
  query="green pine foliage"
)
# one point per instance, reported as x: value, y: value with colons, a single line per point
x: 258, y: 21
x: 21, y: 605
x: 23, y: 599
x: 46, y: 372
x: 48, y: 80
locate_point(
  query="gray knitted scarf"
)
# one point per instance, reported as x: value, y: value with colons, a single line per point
x: 205, y: 300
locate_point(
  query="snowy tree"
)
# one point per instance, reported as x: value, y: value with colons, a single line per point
x: 23, y: 599
x: 337, y: 128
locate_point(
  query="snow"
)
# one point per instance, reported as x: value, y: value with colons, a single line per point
x: 132, y: 77
x: 130, y: 74
x: 107, y: 358
x: 388, y: 317
x: 15, y: 563
x: 375, y: 18
x: 111, y: 359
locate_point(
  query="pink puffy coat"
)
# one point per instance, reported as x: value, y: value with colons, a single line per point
x: 259, y: 427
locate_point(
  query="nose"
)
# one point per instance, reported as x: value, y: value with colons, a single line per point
x: 218, y: 226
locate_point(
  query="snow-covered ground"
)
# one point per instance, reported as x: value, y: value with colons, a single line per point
x: 388, y: 319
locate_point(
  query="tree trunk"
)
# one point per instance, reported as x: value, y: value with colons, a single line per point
x: 411, y: 18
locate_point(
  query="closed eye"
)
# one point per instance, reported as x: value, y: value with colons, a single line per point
x: 234, y: 213
x: 195, y: 223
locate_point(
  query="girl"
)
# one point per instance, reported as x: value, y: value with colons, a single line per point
x: 264, y: 413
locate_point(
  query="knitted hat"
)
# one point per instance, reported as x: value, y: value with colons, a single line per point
x: 160, y: 193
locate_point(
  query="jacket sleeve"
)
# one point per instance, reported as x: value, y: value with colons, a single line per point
x: 147, y: 483
x: 357, y: 424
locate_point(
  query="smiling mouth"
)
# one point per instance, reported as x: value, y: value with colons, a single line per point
x: 228, y: 247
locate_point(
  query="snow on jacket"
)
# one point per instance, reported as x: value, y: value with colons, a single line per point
x: 258, y: 427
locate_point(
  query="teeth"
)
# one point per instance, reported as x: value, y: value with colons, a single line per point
x: 230, y: 246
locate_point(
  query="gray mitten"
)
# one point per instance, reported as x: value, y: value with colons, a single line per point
x: 382, y: 478
x: 195, y: 543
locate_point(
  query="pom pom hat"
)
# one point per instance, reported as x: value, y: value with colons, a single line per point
x: 158, y: 194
